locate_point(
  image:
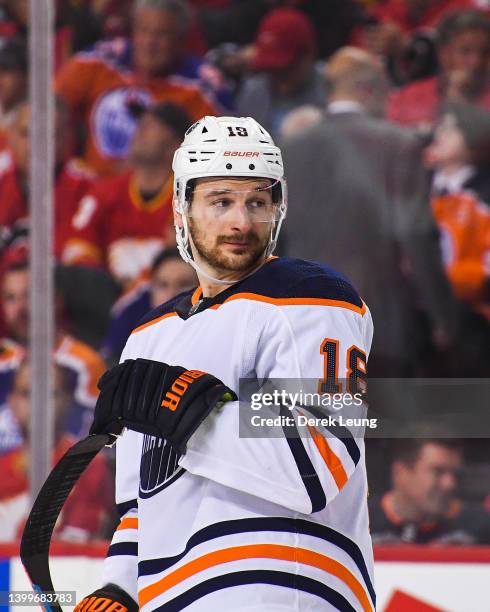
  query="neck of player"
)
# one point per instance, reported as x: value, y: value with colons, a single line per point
x: 210, y: 288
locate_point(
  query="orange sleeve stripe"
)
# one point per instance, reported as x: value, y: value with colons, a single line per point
x: 297, y: 301
x: 153, y: 322
x: 331, y: 460
x: 257, y: 551
x: 128, y: 523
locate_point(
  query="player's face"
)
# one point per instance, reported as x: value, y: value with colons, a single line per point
x: 157, y: 40
x: 227, y: 222
x: 431, y: 483
x: 171, y: 278
x: 15, y: 304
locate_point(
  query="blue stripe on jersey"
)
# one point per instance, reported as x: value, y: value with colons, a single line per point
x: 282, y: 579
x: 123, y: 548
x: 341, y: 433
x: 126, y: 507
x: 348, y: 441
x: 305, y: 467
x: 274, y: 524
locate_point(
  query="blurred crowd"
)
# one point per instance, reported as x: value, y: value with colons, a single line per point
x: 382, y: 109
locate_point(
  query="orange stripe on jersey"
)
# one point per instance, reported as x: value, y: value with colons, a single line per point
x: 260, y: 298
x: 257, y: 551
x: 128, y: 523
x: 297, y: 301
x: 153, y: 322
x: 196, y: 296
x: 331, y: 460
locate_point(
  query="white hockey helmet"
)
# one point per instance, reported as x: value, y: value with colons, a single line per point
x: 226, y: 146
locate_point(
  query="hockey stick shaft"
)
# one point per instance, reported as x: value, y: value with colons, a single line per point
x: 36, y: 537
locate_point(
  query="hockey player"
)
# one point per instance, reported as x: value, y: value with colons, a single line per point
x: 211, y: 520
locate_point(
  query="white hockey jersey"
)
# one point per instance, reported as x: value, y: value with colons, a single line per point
x: 238, y: 523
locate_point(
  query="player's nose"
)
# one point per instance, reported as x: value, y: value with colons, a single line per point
x: 240, y: 218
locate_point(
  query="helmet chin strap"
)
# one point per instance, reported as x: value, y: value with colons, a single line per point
x: 219, y: 281
x: 183, y: 244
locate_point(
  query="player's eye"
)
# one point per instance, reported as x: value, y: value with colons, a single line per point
x: 221, y: 203
x: 257, y: 203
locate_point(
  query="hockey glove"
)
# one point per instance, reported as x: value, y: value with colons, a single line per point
x: 155, y: 398
x: 109, y: 598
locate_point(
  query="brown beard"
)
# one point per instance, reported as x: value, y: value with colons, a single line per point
x: 214, y: 257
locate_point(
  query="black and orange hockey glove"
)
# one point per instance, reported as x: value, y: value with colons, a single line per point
x: 155, y: 398
x: 110, y: 598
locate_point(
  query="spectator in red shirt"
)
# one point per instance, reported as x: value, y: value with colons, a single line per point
x: 72, y: 178
x: 90, y: 503
x: 125, y: 220
x: 464, y: 56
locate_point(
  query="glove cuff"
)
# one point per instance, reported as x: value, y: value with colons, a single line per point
x: 109, y: 597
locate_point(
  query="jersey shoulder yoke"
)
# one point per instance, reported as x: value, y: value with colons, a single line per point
x: 166, y: 309
x: 286, y: 278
